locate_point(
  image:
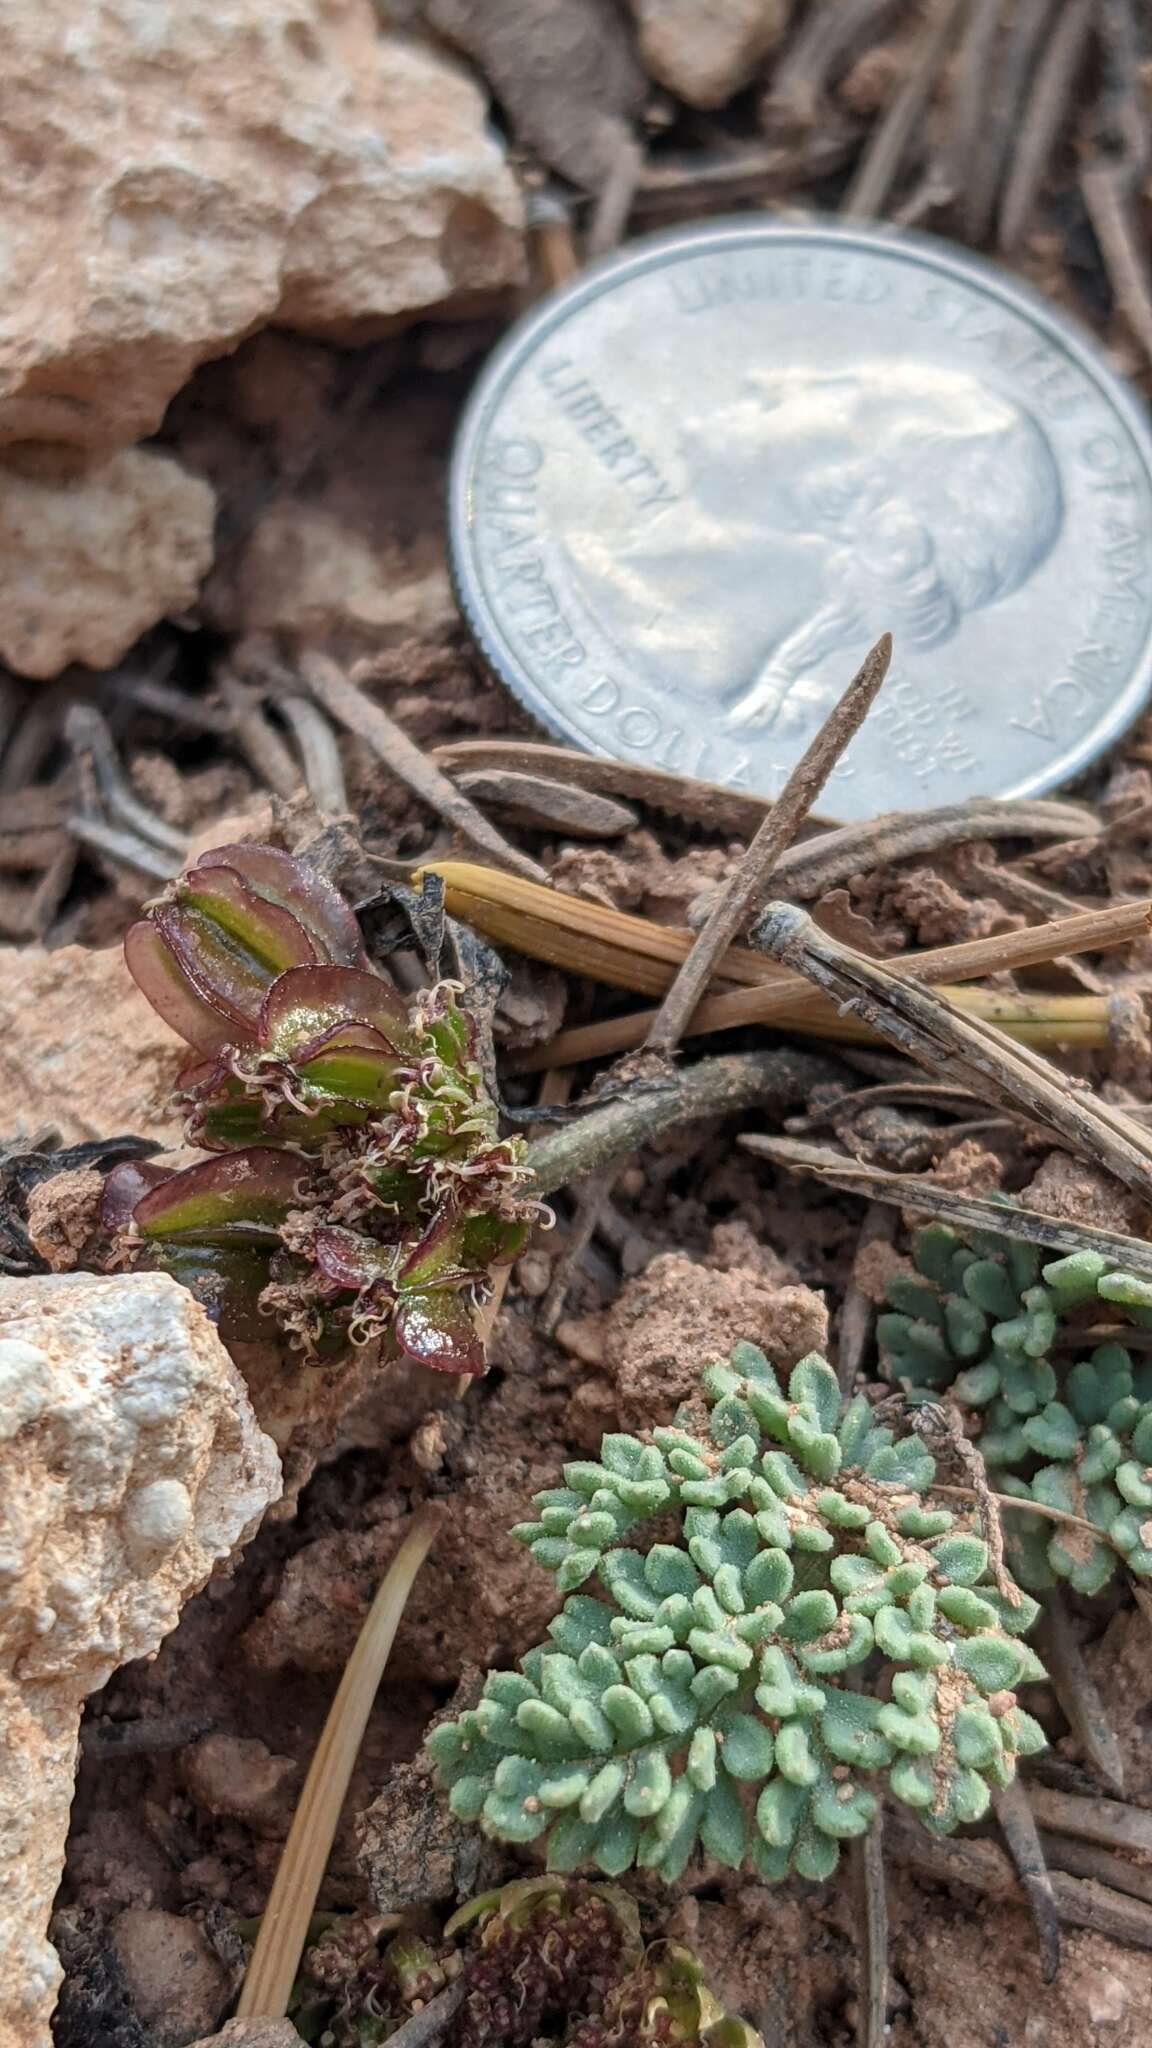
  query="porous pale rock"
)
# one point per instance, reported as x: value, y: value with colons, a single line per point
x: 130, y: 1463
x: 194, y: 173
x: 80, y: 1049
x: 704, y: 54
x: 89, y: 561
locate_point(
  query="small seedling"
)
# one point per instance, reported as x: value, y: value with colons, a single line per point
x: 358, y: 1187
x: 980, y: 1318
x: 703, y: 1694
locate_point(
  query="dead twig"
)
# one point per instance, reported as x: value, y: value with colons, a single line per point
x: 148, y: 1735
x: 858, y: 1310
x: 346, y: 703
x: 816, y: 863
x: 1008, y: 84
x: 1111, y: 182
x: 926, y: 1197
x: 673, y: 184
x: 258, y: 738
x: 1011, y: 1503
x: 547, y: 806
x: 126, y: 848
x: 32, y: 737
x: 968, y: 98
x: 684, y: 797
x: 591, y: 1197
x: 872, y: 1893
x: 1109, y: 198
x: 1080, y: 1903
x: 613, y: 202
x: 808, y: 871
x: 868, y: 193
x: 747, y: 887
x: 985, y: 1867
x: 1107, y: 1821
x: 1077, y: 1691
x: 1083, y: 1859
x: 960, y: 1048
x: 89, y: 735
x: 713, y: 1088
x: 634, y: 952
x: 637, y: 953
x: 1040, y: 1019
x: 830, y: 36
x: 177, y: 705
x: 551, y: 244
x: 319, y: 754
x: 942, y: 1419
x: 431, y: 2022
x: 1047, y: 106
x: 1018, y: 1826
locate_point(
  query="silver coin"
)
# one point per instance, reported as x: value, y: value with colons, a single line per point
x: 692, y: 488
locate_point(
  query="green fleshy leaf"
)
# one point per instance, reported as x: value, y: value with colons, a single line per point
x: 813, y: 1385
x: 649, y: 1785
x: 723, y: 1827
x: 850, y: 1730
x: 843, y: 1810
x: 746, y: 1748
x: 779, y: 1811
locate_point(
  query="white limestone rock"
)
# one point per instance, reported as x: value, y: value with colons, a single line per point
x: 130, y: 1464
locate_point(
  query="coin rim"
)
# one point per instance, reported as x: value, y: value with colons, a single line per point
x: 649, y: 252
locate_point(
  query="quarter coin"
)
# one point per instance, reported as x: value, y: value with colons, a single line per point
x: 693, y: 487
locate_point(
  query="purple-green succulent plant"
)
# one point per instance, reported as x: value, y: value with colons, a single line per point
x: 358, y: 1188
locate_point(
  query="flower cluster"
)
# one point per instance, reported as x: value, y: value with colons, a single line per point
x: 543, y: 1960
x: 358, y: 1186
x: 1067, y: 1426
x: 704, y: 1694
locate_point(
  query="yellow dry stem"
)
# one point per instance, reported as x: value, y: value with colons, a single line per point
x: 630, y: 952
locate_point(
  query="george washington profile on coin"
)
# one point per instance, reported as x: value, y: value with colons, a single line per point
x: 694, y: 485
x: 825, y: 507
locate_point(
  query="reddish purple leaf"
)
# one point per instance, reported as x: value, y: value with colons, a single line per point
x: 235, y: 1194
x: 126, y: 1185
x: 437, y: 1261
x: 437, y: 1329
x: 229, y: 942
x: 347, y: 1258
x: 306, y: 1003
x: 158, y: 976
x: 316, y: 903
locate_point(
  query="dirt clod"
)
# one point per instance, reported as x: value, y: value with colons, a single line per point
x: 175, y: 1982
x: 678, y: 1314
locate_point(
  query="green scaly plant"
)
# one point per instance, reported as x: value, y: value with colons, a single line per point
x: 703, y: 1694
x: 979, y: 1319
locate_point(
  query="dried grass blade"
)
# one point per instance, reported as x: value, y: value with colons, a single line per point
x: 357, y: 713
x: 960, y: 1048
x: 965, y: 1212
x: 748, y: 885
x: 820, y: 860
x: 280, y: 1942
x: 635, y: 953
